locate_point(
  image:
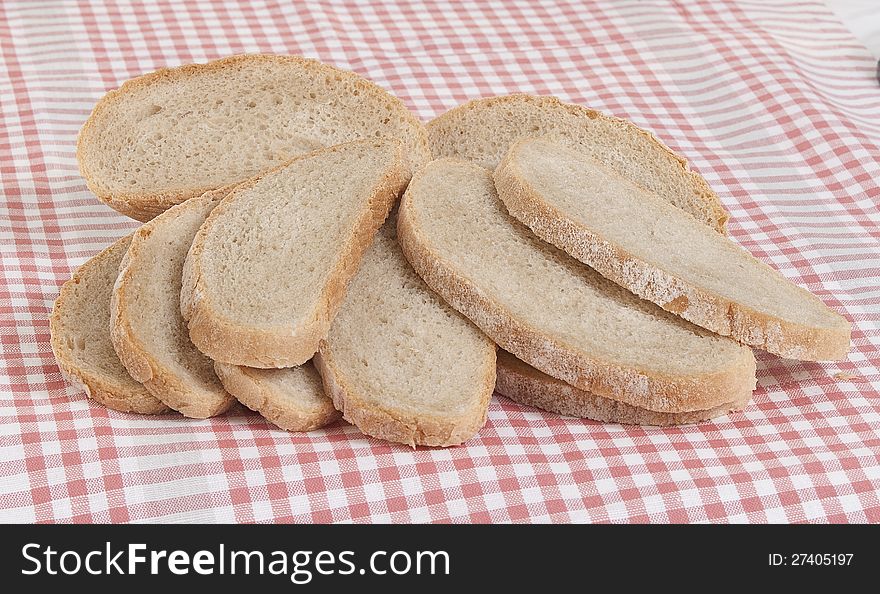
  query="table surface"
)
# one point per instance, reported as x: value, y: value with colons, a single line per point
x: 776, y: 104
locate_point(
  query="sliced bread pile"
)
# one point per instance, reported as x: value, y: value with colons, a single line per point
x: 275, y: 271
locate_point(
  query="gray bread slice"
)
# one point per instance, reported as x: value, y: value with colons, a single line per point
x: 524, y: 384
x: 268, y: 269
x: 80, y: 330
x: 553, y: 312
x: 482, y: 130
x: 148, y: 332
x: 176, y: 133
x: 662, y: 254
x: 399, y: 362
x: 292, y: 399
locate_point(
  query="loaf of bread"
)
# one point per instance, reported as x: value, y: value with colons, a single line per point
x: 176, y: 133
x: 292, y: 399
x: 80, y: 337
x: 659, y: 252
x: 524, y: 384
x: 149, y: 334
x: 482, y: 130
x: 268, y: 269
x: 399, y: 362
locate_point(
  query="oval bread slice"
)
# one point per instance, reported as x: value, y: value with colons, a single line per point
x: 553, y: 312
x: 176, y: 133
x: 662, y: 254
x: 268, y: 269
x: 400, y: 363
x: 148, y: 332
x: 482, y: 130
x: 292, y: 399
x: 524, y: 384
x: 80, y: 329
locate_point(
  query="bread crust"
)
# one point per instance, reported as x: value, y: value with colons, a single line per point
x: 450, y: 120
x: 644, y: 388
x: 263, y: 399
x: 223, y: 340
x: 703, y: 307
x: 382, y: 423
x: 526, y: 385
x: 101, y: 388
x: 144, y: 205
x: 140, y: 362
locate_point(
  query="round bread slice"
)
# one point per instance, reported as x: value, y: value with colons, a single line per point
x: 149, y: 334
x: 80, y: 330
x: 292, y: 399
x: 660, y: 253
x: 268, y: 269
x: 553, y: 312
x: 524, y: 384
x: 482, y: 131
x: 401, y: 364
x: 176, y: 133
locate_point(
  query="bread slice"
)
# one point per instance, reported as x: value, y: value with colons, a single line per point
x: 268, y: 269
x: 292, y: 399
x: 482, y: 131
x: 80, y: 330
x: 553, y: 312
x: 148, y: 332
x: 176, y: 133
x: 662, y: 254
x: 524, y: 384
x: 400, y: 363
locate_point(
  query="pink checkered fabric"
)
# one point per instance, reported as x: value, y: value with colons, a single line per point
x: 773, y: 102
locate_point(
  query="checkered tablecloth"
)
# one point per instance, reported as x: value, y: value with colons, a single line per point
x: 775, y: 103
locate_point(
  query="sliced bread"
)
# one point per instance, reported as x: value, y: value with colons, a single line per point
x: 400, y: 363
x: 662, y: 254
x: 148, y: 332
x: 553, y: 312
x: 482, y: 131
x: 268, y: 269
x: 80, y: 329
x: 292, y: 399
x: 524, y: 384
x: 176, y: 133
